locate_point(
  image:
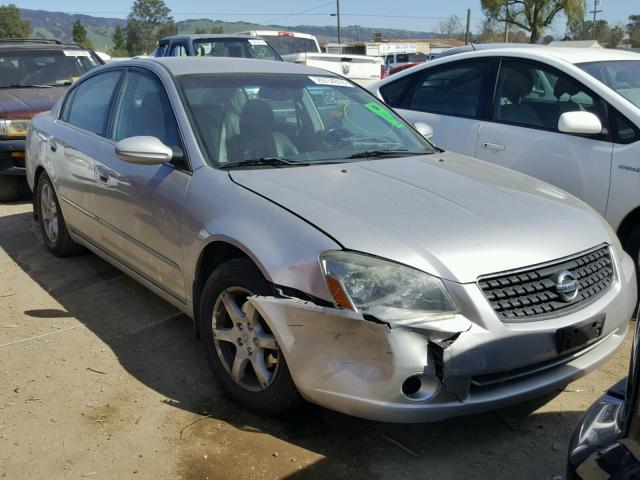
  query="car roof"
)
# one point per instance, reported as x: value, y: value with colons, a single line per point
x: 568, y: 54
x: 199, y: 36
x: 198, y: 65
x: 13, y: 44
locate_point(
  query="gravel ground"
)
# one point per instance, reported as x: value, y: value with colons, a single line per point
x: 101, y: 379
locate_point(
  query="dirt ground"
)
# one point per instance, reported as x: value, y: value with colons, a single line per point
x: 100, y: 379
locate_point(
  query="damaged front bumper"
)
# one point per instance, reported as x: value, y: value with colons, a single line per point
x: 440, y: 369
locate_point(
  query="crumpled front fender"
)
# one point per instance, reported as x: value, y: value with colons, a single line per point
x: 336, y: 355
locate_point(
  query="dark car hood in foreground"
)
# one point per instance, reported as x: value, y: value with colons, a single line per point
x: 446, y: 214
x: 27, y: 102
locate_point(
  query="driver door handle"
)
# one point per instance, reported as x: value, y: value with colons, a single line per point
x: 493, y: 146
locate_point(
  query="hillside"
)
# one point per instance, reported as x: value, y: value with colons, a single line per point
x: 58, y: 25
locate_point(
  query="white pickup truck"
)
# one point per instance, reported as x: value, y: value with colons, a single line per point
x: 304, y: 48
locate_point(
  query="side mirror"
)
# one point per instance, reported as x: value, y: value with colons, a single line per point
x: 423, y: 129
x: 143, y: 151
x: 585, y: 123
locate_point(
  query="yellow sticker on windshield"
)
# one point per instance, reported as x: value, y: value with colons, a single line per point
x: 384, y: 114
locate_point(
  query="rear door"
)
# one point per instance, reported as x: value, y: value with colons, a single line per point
x: 523, y: 130
x: 451, y: 98
x: 73, y: 145
x: 140, y: 206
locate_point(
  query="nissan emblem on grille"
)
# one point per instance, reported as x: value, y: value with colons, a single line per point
x: 567, y: 286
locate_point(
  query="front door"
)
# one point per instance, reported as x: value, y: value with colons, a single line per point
x: 523, y: 131
x: 140, y: 206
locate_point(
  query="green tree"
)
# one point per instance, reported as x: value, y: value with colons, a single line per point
x: 148, y: 21
x: 11, y: 25
x: 609, y: 36
x: 633, y: 27
x: 532, y: 16
x: 493, y: 32
x: 200, y: 31
x: 119, y: 48
x: 79, y: 34
x: 218, y: 29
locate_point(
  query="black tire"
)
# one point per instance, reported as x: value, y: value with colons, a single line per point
x: 281, y: 394
x: 8, y: 188
x: 61, y: 245
x: 632, y: 245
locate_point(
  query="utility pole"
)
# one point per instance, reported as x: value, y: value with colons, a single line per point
x: 338, y: 17
x: 595, y: 11
x: 466, y: 32
x: 506, y: 22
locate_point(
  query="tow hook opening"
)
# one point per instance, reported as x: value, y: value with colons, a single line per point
x: 420, y: 387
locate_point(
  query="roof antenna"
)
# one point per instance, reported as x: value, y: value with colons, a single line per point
x: 473, y: 45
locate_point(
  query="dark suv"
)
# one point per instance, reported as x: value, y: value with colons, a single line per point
x: 240, y: 46
x: 33, y: 76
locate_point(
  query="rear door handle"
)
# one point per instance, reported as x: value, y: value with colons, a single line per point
x: 493, y: 146
x: 103, y: 176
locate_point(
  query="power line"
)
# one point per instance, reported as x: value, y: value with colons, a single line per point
x: 301, y: 12
x: 265, y: 14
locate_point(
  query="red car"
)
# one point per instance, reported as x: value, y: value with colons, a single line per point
x: 34, y: 74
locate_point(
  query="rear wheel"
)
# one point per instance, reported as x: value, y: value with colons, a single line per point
x: 242, y: 351
x: 9, y: 185
x: 51, y: 221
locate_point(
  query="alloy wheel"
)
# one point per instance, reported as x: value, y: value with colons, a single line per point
x: 244, y: 343
x: 49, y: 212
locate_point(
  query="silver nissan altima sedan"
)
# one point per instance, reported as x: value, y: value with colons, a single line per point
x: 324, y: 249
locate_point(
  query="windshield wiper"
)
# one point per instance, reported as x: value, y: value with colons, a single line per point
x: 263, y: 161
x: 385, y: 153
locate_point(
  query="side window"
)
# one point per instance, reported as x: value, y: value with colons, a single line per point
x: 178, y: 50
x: 536, y: 95
x: 622, y: 130
x: 393, y: 92
x: 455, y: 89
x: 144, y: 109
x: 88, y: 104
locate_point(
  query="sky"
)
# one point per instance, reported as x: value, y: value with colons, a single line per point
x: 424, y: 15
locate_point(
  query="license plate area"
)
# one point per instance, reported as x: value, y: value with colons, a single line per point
x: 575, y: 337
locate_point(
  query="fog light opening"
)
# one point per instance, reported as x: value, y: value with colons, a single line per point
x: 411, y: 386
x: 420, y: 387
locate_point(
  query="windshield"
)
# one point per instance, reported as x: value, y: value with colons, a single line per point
x: 287, y: 45
x: 241, y: 48
x: 623, y: 76
x: 298, y: 118
x: 28, y: 68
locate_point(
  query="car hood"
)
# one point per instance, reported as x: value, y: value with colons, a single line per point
x: 27, y: 102
x: 449, y: 215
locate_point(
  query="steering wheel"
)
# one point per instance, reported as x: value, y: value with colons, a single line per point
x: 335, y: 136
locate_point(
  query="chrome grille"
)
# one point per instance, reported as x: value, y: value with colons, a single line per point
x: 532, y: 292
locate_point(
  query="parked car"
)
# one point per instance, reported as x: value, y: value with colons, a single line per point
x: 322, y: 246
x: 34, y: 74
x: 304, y: 49
x: 606, y: 441
x: 239, y: 46
x: 569, y: 116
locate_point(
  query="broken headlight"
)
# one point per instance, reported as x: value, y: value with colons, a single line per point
x: 383, y: 289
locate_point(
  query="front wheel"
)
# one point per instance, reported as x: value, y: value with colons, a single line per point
x: 242, y: 351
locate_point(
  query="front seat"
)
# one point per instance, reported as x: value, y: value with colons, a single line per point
x: 258, y: 137
x: 150, y: 119
x: 516, y: 85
